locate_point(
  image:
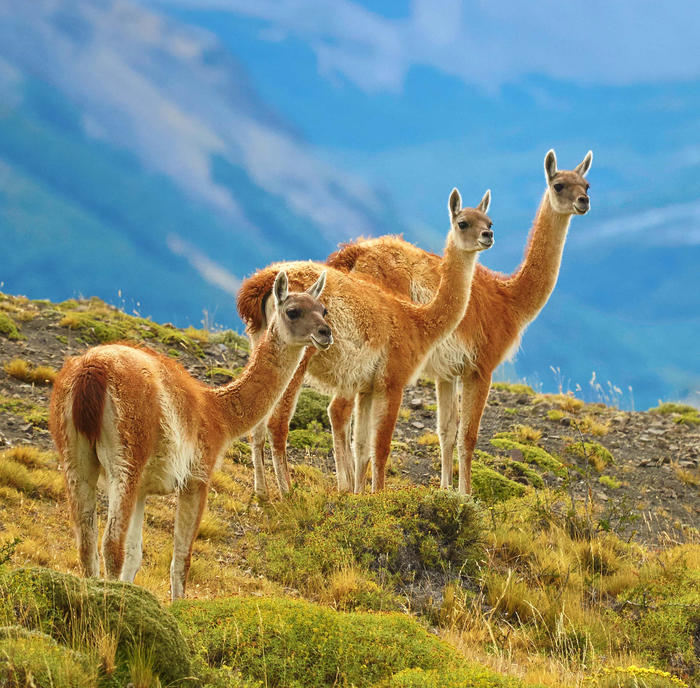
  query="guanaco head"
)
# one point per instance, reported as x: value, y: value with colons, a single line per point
x: 567, y: 189
x: 300, y: 315
x: 471, y: 227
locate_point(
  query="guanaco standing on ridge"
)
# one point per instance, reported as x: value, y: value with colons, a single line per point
x: 380, y: 344
x: 500, y: 308
x: 138, y: 418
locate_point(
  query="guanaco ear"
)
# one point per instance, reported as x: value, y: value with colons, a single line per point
x: 485, y: 202
x: 550, y: 165
x: 317, y: 287
x: 455, y: 203
x: 281, y: 287
x: 585, y: 164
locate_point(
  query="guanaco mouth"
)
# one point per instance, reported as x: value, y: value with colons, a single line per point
x: 319, y: 345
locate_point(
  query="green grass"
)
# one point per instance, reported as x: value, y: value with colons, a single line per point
x: 489, y: 485
x: 514, y: 388
x: 293, y: 644
x: 531, y: 454
x: 222, y: 372
x: 78, y: 612
x: 312, y: 438
x: 311, y: 408
x: 395, y: 539
x: 596, y: 454
x: 28, y: 411
x: 8, y: 328
x: 682, y: 413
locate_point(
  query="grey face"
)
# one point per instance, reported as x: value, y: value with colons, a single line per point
x: 303, y: 318
x: 472, y: 230
x: 568, y: 193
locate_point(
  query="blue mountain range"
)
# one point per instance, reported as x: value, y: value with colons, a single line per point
x: 140, y: 162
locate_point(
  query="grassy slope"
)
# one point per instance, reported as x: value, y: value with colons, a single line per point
x: 552, y: 594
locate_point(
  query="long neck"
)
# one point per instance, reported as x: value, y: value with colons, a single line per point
x: 440, y: 316
x: 247, y: 400
x: 535, y: 279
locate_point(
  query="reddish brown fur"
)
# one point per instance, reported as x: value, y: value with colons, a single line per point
x: 165, y: 431
x: 89, y: 391
x: 500, y: 306
x: 393, y: 333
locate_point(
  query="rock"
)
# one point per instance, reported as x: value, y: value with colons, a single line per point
x: 418, y: 425
x: 416, y: 402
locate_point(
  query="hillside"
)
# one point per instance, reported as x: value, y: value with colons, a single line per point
x: 579, y: 554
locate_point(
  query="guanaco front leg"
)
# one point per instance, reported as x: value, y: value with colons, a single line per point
x: 190, y: 508
x: 385, y: 411
x: 340, y: 413
x: 447, y: 422
x: 475, y: 392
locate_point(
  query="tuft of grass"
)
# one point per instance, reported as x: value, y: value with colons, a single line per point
x: 568, y: 403
x: 8, y: 328
x: 311, y: 408
x: 429, y: 439
x: 212, y: 528
x: 28, y: 411
x: 404, y: 414
x: 555, y: 414
x: 23, y: 370
x: 534, y: 455
x: 34, y: 482
x: 312, y: 438
x: 223, y: 372
x: 688, y: 476
x: 596, y: 454
x: 682, y: 414
x: 590, y: 425
x: 610, y: 482
x: 514, y: 388
x: 490, y: 486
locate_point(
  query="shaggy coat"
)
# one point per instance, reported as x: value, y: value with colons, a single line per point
x: 139, y: 420
x: 381, y: 342
x: 499, y: 309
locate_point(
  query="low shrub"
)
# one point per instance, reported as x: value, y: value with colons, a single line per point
x: 31, y: 659
x: 534, y: 455
x: 464, y: 677
x: 311, y: 408
x: 596, y: 454
x: 294, y: 644
x: 75, y: 611
x: 490, y: 486
x: 8, y: 328
x: 398, y: 538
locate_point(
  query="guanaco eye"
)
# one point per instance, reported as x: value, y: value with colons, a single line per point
x: 325, y: 312
x: 558, y: 187
x: 293, y: 313
x: 588, y: 186
x: 490, y: 225
x: 463, y: 224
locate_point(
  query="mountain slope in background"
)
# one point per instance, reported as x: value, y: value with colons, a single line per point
x: 138, y: 163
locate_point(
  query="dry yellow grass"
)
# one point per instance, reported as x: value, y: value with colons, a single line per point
x: 404, y: 414
x: 429, y: 439
x: 526, y: 434
x: 590, y: 425
x: 23, y: 370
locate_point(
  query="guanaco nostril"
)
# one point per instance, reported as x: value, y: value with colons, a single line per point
x: 324, y: 331
x: 487, y: 234
x: 583, y: 200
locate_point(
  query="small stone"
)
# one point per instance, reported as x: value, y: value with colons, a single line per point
x: 418, y: 425
x: 516, y: 454
x: 643, y: 463
x: 416, y: 402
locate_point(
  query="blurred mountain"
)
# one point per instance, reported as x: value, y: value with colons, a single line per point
x: 139, y: 164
